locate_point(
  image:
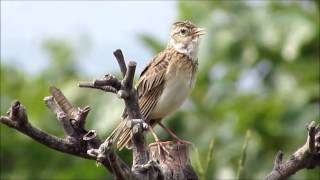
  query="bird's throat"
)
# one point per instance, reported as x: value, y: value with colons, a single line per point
x: 190, y: 49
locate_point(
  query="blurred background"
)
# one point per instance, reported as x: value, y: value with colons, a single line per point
x: 258, y: 72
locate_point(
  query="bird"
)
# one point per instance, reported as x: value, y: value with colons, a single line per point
x: 166, y: 81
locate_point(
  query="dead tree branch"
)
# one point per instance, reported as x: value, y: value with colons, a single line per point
x: 78, y: 141
x: 306, y: 157
x: 147, y: 164
x: 125, y: 90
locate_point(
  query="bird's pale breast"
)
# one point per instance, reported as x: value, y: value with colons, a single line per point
x: 180, y: 79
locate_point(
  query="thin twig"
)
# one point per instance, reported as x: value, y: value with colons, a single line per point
x: 128, y: 78
x: 61, y: 115
x: 82, y: 116
x: 103, y: 88
x: 122, y: 64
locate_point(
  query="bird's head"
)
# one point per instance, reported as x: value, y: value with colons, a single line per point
x: 184, y: 37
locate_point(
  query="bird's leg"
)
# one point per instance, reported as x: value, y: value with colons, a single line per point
x: 169, y: 131
x: 158, y: 142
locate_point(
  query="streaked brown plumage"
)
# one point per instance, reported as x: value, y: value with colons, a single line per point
x: 167, y: 65
x: 167, y: 80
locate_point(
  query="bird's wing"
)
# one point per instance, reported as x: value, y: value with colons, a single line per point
x: 151, y: 83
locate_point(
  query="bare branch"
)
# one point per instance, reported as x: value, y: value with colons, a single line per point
x: 103, y: 88
x: 61, y: 115
x: 86, y: 144
x: 122, y: 64
x: 128, y: 78
x: 108, y: 84
x: 140, y: 151
x: 105, y: 154
x: 74, y: 144
x: 278, y: 161
x: 311, y: 137
x: 63, y: 102
x: 122, y: 94
x: 17, y: 113
x: 81, y: 116
x: 108, y: 80
x: 128, y: 93
x: 308, y: 156
x: 52, y: 105
x: 44, y: 138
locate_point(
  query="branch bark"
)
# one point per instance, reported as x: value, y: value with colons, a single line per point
x: 306, y: 157
x: 76, y: 141
x: 86, y: 144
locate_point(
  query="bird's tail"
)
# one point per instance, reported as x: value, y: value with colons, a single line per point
x: 121, y: 135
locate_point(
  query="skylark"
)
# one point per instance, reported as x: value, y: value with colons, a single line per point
x: 166, y: 82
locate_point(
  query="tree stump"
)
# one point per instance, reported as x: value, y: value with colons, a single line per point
x: 175, y: 165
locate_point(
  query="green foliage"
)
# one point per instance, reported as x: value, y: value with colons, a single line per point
x: 242, y: 160
x: 62, y: 66
x: 154, y: 45
x: 202, y: 171
x: 258, y: 70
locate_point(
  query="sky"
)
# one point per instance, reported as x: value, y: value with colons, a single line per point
x: 95, y: 29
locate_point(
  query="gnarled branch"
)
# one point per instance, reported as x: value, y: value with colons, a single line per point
x: 307, y: 156
x: 147, y: 162
x: 76, y: 142
x: 125, y: 90
x: 86, y: 144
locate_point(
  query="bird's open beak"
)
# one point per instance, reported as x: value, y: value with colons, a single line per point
x: 199, y: 32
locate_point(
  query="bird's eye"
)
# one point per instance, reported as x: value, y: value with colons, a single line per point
x: 183, y: 31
